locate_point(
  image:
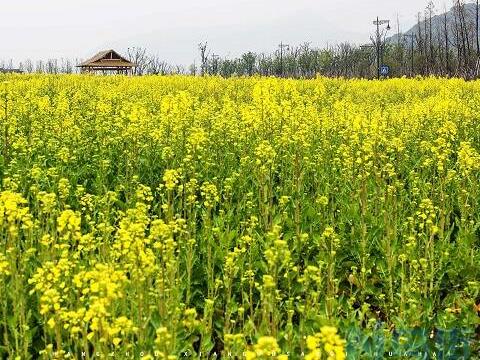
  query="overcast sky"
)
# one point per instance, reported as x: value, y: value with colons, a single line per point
x: 172, y: 29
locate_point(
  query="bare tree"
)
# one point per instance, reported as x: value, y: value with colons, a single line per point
x: 477, y: 40
x: 193, y: 69
x: 446, y: 37
x: 52, y: 66
x: 157, y: 66
x: 462, y: 38
x: 432, y: 62
x: 202, y: 47
x: 138, y: 55
x: 28, y: 66
x: 66, y: 66
x: 179, y: 70
x: 10, y: 65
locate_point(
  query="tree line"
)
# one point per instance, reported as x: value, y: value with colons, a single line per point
x: 446, y: 44
x: 146, y: 65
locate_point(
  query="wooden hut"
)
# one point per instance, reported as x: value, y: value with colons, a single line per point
x: 107, y: 62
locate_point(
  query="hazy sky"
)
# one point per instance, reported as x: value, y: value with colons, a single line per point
x: 172, y: 29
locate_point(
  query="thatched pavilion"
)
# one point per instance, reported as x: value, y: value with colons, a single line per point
x: 107, y: 62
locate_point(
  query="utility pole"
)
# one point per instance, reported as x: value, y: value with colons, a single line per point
x: 412, y: 38
x: 379, y: 22
x: 282, y: 46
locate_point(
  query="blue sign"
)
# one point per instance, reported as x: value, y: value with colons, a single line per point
x: 384, y: 70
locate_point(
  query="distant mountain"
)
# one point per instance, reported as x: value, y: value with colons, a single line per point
x: 438, y: 25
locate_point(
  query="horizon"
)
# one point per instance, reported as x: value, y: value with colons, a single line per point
x: 77, y: 31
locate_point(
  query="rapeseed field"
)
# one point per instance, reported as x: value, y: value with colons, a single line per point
x: 257, y: 218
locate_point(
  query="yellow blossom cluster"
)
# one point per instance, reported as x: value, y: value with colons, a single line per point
x: 326, y: 344
x: 265, y: 348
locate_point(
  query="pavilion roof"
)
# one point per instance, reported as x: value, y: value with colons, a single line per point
x: 107, y: 59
